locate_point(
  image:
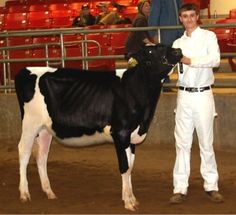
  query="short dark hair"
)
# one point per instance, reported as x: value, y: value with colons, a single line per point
x: 189, y: 6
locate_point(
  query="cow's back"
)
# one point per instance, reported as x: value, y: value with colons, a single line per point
x: 78, y: 102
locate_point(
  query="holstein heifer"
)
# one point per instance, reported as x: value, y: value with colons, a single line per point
x: 82, y: 108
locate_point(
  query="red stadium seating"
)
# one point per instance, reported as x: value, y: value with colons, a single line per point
x: 232, y: 14
x: 16, y: 21
x: 56, y: 1
x: 232, y: 46
x: 38, y: 7
x: 62, y: 13
x: 16, y: 66
x: 52, y: 53
x: 31, y: 2
x: 13, y: 2
x: 104, y: 64
x: 59, y: 6
x: 14, y: 41
x: 77, y: 5
x: 102, y: 38
x: 18, y: 9
x: 61, y: 22
x: 39, y: 20
x: 73, y: 51
x: 118, y: 39
x: 223, y: 35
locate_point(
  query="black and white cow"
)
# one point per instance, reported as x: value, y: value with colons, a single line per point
x: 80, y: 108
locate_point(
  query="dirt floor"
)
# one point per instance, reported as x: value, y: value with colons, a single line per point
x: 87, y: 181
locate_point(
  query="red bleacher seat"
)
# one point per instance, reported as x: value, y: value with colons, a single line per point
x: 18, y: 9
x: 72, y: 37
x: 124, y: 2
x: 77, y: 5
x: 59, y: 6
x: 39, y: 20
x: 102, y: 38
x: 232, y: 47
x: 41, y: 53
x: 2, y: 21
x: 14, y: 41
x: 45, y: 39
x: 3, y: 10
x: 223, y: 35
x: 232, y: 14
x: 73, y: 51
x: 104, y: 64
x: 19, y: 53
x: 16, y: 21
x: 62, y: 13
x: 118, y: 39
x: 2, y: 44
x: 13, y: 2
x: 16, y: 66
x: 56, y: 1
x: 38, y: 7
x: 31, y: 2
x: 61, y: 22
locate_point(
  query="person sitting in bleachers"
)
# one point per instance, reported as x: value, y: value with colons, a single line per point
x: 85, y: 18
x: 106, y: 17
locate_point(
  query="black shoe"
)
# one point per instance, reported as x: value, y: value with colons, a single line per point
x: 215, y: 196
x: 177, y: 198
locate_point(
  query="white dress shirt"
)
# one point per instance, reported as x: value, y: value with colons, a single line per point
x: 203, y: 50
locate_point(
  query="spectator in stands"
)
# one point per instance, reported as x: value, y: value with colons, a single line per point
x: 106, y: 17
x: 85, y: 18
x: 165, y: 13
x: 137, y: 39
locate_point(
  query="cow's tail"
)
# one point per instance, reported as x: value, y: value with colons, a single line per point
x: 25, y: 87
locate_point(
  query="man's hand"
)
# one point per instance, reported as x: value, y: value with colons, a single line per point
x: 185, y: 60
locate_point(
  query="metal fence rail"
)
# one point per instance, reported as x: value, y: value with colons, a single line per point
x: 84, y: 58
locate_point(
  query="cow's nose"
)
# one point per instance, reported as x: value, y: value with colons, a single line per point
x: 177, y: 52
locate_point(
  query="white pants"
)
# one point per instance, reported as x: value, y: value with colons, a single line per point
x: 195, y: 110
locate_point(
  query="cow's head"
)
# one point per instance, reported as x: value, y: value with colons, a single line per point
x: 160, y: 57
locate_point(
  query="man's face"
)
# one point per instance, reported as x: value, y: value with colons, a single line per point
x: 189, y: 19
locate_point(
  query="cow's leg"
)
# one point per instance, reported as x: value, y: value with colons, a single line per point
x: 125, y: 154
x: 29, y: 132
x: 43, y: 144
x: 127, y: 191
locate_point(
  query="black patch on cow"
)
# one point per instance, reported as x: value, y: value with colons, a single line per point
x: 25, y: 87
x: 79, y: 102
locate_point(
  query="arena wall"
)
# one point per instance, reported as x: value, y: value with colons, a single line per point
x: 161, y: 130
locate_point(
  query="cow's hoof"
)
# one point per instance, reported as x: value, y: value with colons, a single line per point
x: 132, y: 205
x: 25, y: 197
x: 51, y: 196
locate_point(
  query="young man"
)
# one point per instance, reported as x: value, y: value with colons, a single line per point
x: 195, y: 105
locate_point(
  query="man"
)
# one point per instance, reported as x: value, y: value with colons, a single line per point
x: 106, y: 16
x: 85, y: 18
x: 165, y: 13
x: 195, y: 105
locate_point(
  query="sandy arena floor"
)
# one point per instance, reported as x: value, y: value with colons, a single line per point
x: 87, y: 181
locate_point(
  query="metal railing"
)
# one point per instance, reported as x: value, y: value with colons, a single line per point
x: 84, y: 58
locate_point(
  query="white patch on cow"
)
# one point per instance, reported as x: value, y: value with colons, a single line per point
x: 36, y: 107
x: 87, y: 140
x: 39, y: 71
x: 135, y: 138
x: 120, y: 72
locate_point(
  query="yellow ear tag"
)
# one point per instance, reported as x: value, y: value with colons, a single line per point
x: 132, y: 62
